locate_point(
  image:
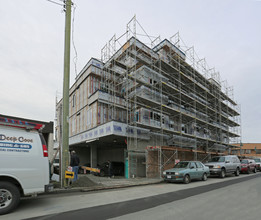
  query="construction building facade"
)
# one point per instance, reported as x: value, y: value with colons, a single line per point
x: 149, y: 105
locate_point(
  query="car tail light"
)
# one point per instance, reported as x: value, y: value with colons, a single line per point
x: 45, y: 151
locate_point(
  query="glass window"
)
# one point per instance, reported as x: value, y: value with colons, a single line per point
x: 56, y: 161
x: 199, y: 165
x: 218, y: 159
x: 181, y: 165
x: 89, y: 117
x: 74, y: 101
x: 73, y: 123
x: 192, y: 164
x: 248, y: 151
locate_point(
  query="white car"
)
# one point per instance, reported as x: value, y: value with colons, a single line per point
x: 24, y: 165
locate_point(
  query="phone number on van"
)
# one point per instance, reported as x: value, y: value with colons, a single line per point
x: 16, y: 146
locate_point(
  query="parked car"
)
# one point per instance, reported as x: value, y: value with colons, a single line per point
x: 185, y: 171
x: 24, y: 168
x: 117, y: 168
x: 56, y: 166
x: 221, y: 165
x: 258, y: 163
x: 248, y: 165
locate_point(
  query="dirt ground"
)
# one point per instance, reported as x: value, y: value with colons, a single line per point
x: 83, y: 181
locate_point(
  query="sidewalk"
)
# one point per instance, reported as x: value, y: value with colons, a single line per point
x: 90, y: 182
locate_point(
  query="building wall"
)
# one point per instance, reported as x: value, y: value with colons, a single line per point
x: 156, y: 90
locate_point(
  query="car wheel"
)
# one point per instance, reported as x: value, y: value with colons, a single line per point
x: 237, y: 172
x: 186, y: 179
x: 9, y: 197
x: 204, y: 177
x: 254, y: 170
x: 223, y: 173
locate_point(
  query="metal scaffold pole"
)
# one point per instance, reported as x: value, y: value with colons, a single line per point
x: 66, y: 84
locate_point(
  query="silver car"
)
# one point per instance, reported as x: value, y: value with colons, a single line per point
x: 221, y: 165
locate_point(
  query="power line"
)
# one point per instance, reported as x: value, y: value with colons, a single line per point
x: 75, y: 59
x: 55, y: 2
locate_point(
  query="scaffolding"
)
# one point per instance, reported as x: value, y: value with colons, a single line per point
x: 170, y: 93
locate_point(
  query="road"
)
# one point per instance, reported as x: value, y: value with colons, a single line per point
x: 229, y: 198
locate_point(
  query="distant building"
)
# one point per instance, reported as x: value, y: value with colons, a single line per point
x: 247, y: 150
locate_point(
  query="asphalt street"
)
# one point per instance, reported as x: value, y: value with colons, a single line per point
x: 231, y: 198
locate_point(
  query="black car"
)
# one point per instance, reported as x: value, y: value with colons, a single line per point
x: 117, y: 169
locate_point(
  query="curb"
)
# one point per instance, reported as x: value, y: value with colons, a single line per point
x: 97, y: 188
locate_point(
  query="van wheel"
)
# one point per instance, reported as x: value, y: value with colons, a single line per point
x: 9, y: 197
x: 254, y: 170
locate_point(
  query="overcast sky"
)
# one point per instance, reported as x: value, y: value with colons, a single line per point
x: 225, y: 32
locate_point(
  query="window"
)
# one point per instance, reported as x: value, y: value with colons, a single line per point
x: 258, y: 151
x: 192, y: 164
x: 89, y: 117
x: 234, y: 151
x: 181, y: 165
x: 199, y: 165
x: 244, y: 162
x: 74, y: 100
x: 229, y: 159
x: 248, y: 151
x: 73, y: 124
x: 218, y: 159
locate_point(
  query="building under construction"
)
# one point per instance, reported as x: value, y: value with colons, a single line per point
x: 149, y: 102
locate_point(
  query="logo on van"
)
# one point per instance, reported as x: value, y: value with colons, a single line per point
x: 14, y: 139
x: 15, y: 146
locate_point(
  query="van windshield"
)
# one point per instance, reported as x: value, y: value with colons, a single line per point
x: 257, y: 160
x: 218, y: 159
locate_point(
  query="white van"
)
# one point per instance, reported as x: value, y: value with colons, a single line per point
x: 24, y: 165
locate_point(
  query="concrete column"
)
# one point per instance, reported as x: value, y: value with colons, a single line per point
x: 93, y: 156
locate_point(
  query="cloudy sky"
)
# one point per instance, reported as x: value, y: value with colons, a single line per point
x: 225, y: 32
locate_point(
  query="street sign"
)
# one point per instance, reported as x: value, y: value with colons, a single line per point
x: 69, y: 175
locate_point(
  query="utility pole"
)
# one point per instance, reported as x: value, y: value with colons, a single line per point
x: 66, y: 84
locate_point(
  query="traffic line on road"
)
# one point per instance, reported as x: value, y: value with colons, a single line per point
x: 122, y: 208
